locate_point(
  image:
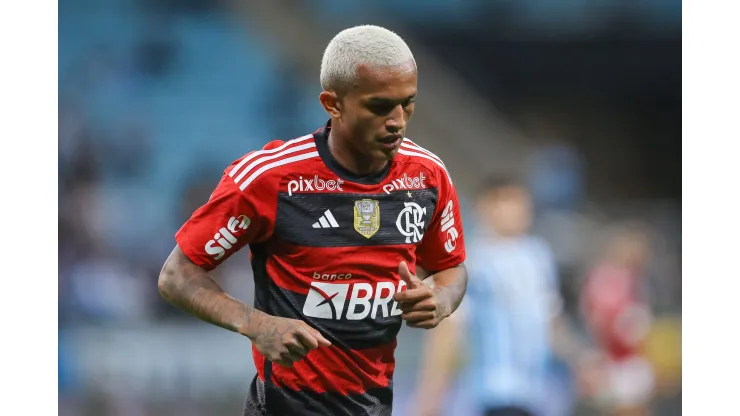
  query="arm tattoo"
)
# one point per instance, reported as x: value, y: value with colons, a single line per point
x: 190, y: 288
x: 450, y: 286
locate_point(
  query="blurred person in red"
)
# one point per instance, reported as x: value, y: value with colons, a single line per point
x: 503, y: 341
x: 617, y: 315
x: 338, y: 223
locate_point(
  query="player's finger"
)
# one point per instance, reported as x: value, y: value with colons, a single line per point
x: 428, y: 324
x: 413, y: 295
x: 421, y: 305
x: 407, y: 306
x: 283, y: 362
x: 286, y: 364
x: 323, y: 342
x: 305, y: 337
x: 291, y: 358
x: 411, y: 281
x: 417, y: 316
x: 299, y: 347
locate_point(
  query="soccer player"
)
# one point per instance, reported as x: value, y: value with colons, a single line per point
x: 339, y: 223
x: 616, y: 310
x: 510, y: 318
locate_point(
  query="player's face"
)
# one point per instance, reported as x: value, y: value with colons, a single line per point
x: 630, y: 249
x: 508, y: 211
x: 376, y: 111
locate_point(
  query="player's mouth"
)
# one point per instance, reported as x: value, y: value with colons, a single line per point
x: 391, y: 142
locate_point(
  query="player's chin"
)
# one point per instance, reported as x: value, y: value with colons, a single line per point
x: 385, y: 153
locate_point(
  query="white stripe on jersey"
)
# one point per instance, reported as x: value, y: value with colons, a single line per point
x: 262, y: 159
x: 281, y: 162
x: 413, y: 146
x: 254, y: 154
x: 425, y: 156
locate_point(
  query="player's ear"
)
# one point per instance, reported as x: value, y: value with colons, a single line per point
x: 331, y: 103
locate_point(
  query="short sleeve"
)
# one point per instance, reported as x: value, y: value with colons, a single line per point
x: 443, y: 245
x: 231, y: 219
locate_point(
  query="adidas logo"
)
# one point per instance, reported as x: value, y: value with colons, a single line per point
x: 326, y: 221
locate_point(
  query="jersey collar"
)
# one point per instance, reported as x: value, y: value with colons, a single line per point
x: 321, y: 138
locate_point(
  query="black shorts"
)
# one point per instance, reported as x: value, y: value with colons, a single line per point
x: 286, y: 403
x: 255, y: 404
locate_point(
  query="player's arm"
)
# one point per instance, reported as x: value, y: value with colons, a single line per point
x: 441, y: 356
x: 449, y: 286
x: 426, y: 305
x: 192, y: 289
x: 231, y: 219
x: 565, y: 341
x: 442, y: 251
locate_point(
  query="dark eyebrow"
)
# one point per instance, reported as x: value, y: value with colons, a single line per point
x: 388, y: 101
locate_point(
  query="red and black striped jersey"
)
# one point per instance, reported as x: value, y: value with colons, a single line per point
x: 325, y: 247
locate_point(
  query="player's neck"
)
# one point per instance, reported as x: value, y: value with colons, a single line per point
x: 352, y: 160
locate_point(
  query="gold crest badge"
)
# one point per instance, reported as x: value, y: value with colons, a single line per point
x: 367, y: 217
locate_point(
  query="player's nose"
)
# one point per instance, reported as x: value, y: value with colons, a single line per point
x: 396, y: 120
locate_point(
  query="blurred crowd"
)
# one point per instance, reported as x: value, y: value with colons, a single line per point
x: 127, y: 175
x: 130, y: 172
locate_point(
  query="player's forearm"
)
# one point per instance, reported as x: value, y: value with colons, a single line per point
x: 440, y: 356
x: 450, y: 286
x: 193, y: 290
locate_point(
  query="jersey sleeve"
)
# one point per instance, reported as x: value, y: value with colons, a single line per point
x: 443, y: 245
x: 231, y: 219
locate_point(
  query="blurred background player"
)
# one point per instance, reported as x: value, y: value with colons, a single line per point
x: 504, y: 335
x: 615, y: 308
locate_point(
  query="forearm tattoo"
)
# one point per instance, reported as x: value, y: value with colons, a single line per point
x: 194, y: 290
x: 453, y: 290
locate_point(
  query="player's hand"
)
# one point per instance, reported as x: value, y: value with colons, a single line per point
x: 421, y: 306
x: 285, y: 341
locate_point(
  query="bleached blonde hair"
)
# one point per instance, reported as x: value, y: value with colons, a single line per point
x: 369, y: 45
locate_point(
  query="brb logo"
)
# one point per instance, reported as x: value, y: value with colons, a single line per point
x: 225, y: 238
x: 331, y: 300
x: 314, y: 184
x: 410, y: 222
x: 448, y: 222
x: 407, y: 182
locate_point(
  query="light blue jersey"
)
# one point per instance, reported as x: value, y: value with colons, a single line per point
x: 507, y: 311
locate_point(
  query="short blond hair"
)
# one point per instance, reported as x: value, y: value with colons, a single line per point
x: 360, y: 45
